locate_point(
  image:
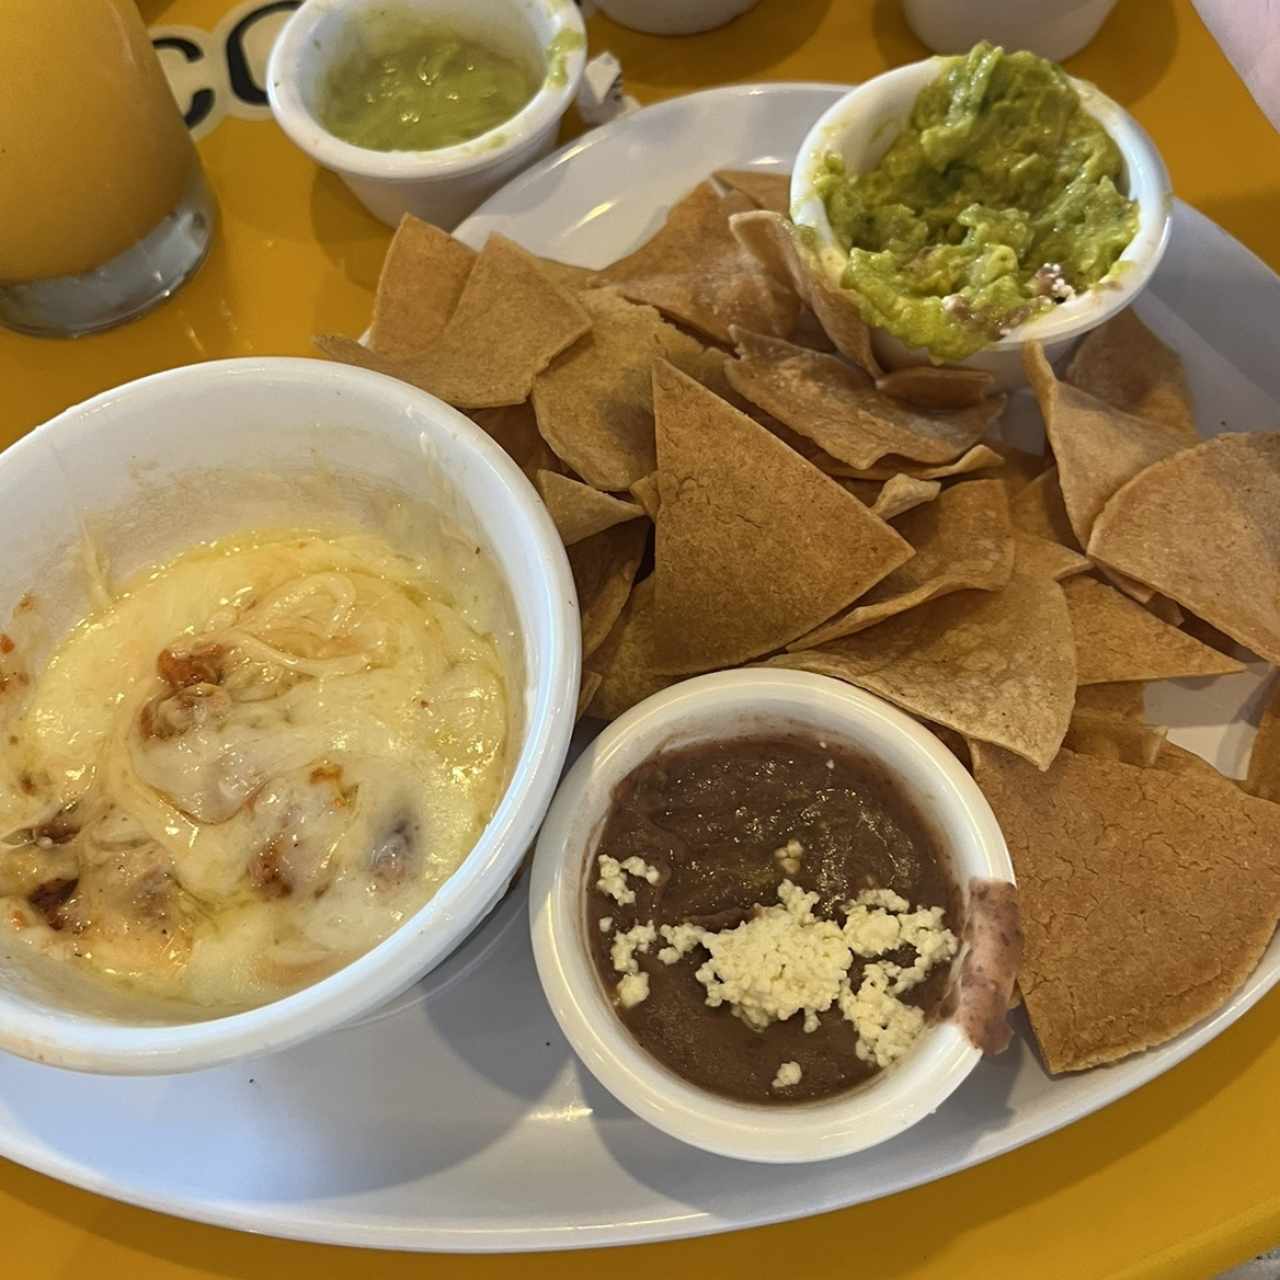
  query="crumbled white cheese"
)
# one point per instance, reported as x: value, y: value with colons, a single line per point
x: 605, y: 923
x: 613, y: 881
x: 633, y: 986
x: 637, y: 866
x: 613, y: 877
x: 831, y: 764
x: 682, y: 938
x: 789, y: 1073
x: 886, y: 1027
x: 633, y: 989
x: 779, y: 962
x: 789, y: 856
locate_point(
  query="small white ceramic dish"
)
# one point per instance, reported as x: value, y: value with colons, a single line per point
x: 444, y: 185
x: 859, y: 129
x: 1054, y: 29
x: 674, y: 17
x: 203, y: 451
x: 720, y: 708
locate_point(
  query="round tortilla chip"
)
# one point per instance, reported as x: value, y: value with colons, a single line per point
x: 996, y: 666
x: 1201, y: 527
x: 1118, y: 640
x: 837, y: 406
x: 963, y: 540
x: 754, y: 545
x: 1147, y: 898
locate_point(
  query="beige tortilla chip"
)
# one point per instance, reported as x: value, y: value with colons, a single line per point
x: 1125, y: 364
x: 980, y: 458
x: 1125, y: 699
x: 896, y: 496
x: 1049, y: 559
x: 929, y: 387
x: 628, y: 659
x: 1175, y: 759
x: 566, y: 275
x: 996, y: 666
x: 754, y: 545
x: 1020, y: 467
x: 579, y: 510
x: 587, y: 690
x: 1147, y: 898
x: 1096, y: 446
x: 1117, y: 639
x: 422, y: 278
x: 837, y: 406
x: 765, y: 190
x: 1202, y: 528
x: 963, y: 540
x: 1039, y: 510
x: 1134, y: 590
x: 515, y: 428
x: 509, y: 324
x: 1114, y: 738
x: 1263, y: 777
x: 696, y: 272
x: 645, y: 492
x: 604, y: 567
x: 776, y: 245
x: 595, y: 403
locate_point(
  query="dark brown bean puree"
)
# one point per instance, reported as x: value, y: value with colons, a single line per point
x: 710, y: 818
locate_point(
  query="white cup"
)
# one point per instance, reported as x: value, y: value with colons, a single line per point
x: 720, y: 707
x: 674, y: 17
x: 860, y: 128
x: 440, y: 186
x: 1055, y: 29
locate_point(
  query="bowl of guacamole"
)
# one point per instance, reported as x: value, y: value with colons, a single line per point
x: 971, y: 204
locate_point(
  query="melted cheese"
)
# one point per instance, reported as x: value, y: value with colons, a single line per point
x: 250, y: 766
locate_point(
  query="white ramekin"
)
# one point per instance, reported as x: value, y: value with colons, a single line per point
x: 860, y: 127
x: 203, y: 451
x: 674, y: 17
x: 1054, y: 29
x: 715, y: 708
x: 444, y: 185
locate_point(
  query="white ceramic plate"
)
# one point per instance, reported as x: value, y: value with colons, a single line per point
x: 463, y: 1122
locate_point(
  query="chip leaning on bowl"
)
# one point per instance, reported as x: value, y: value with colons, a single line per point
x: 712, y: 398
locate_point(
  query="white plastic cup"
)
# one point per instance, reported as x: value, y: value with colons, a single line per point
x: 719, y: 707
x: 1055, y: 29
x: 443, y: 185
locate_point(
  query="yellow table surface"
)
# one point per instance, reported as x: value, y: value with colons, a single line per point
x: 1179, y: 1180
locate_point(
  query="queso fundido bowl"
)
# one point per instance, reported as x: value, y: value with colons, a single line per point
x: 196, y: 453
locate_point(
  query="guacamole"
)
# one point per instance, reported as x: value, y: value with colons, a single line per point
x: 995, y: 203
x: 422, y: 88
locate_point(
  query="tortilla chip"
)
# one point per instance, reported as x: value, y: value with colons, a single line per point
x: 929, y: 387
x: 1176, y: 759
x: 587, y: 689
x: 810, y: 333
x: 1201, y: 527
x: 566, y: 275
x: 1039, y: 510
x: 754, y: 545
x: 980, y: 458
x: 1126, y: 700
x: 604, y: 567
x: 996, y: 666
x: 579, y: 511
x: 422, y: 278
x: 1020, y: 467
x: 1049, y: 559
x: 898, y: 496
x: 508, y: 326
x: 1096, y: 446
x: 1166, y: 610
x: 628, y: 659
x: 770, y: 191
x: 645, y: 492
x: 1125, y: 364
x: 595, y: 404
x: 774, y: 243
x: 838, y: 407
x: 1114, y: 738
x: 696, y: 272
x: 1134, y: 590
x: 1263, y: 778
x: 1117, y: 639
x: 1147, y: 898
x: 963, y: 540
x: 515, y: 428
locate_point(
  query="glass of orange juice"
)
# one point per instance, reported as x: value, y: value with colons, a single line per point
x: 104, y: 209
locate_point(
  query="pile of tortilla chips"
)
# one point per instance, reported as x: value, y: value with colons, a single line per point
x: 737, y: 481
